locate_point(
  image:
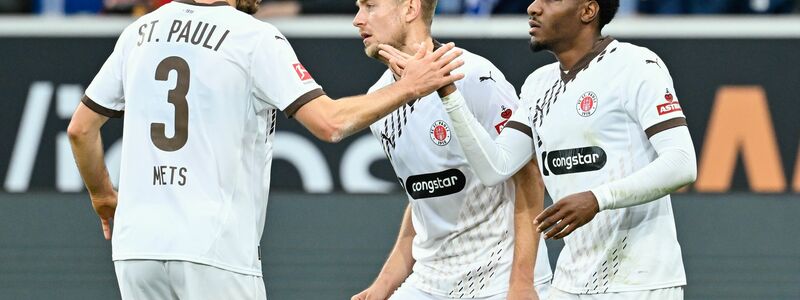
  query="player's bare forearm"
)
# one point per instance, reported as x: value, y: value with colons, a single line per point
x: 400, y: 262
x: 529, y: 192
x: 87, y: 148
x: 332, y: 121
x: 397, y: 267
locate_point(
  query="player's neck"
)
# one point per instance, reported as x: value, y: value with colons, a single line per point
x: 573, y: 51
x: 414, y: 36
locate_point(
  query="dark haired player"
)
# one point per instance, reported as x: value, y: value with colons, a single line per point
x: 612, y: 142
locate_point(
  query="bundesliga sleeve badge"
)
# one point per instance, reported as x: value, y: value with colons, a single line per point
x: 587, y: 104
x: 440, y: 133
x: 301, y: 71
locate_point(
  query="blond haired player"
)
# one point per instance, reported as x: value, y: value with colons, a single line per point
x: 200, y: 84
x: 458, y: 238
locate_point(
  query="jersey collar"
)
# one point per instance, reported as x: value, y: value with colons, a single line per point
x: 582, y: 64
x: 192, y: 2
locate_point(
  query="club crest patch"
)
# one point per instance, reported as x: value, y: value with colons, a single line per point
x: 440, y: 133
x: 587, y: 104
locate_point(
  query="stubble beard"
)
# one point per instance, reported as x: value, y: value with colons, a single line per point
x: 537, y: 46
x: 372, y: 51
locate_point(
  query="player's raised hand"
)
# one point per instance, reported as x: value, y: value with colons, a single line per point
x: 374, y: 292
x: 427, y: 71
x: 105, y: 206
x: 397, y: 59
x: 566, y: 215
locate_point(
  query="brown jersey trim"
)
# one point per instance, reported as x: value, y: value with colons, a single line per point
x: 583, y: 63
x: 100, y: 109
x: 191, y: 2
x: 521, y: 127
x: 302, y: 100
x: 671, y: 123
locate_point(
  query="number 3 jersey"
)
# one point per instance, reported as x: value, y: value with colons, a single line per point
x: 464, y: 242
x: 199, y: 85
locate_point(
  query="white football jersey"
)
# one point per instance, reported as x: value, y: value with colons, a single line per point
x: 465, y: 231
x: 589, y: 128
x: 200, y: 86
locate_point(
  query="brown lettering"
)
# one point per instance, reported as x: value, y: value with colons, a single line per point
x: 740, y: 122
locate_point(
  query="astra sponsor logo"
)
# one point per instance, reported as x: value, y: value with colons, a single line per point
x: 435, y: 184
x: 672, y: 104
x: 576, y: 160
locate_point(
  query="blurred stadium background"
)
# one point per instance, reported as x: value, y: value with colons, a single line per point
x: 334, y: 209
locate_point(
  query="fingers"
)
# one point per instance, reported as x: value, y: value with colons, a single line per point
x: 450, y: 57
x: 389, y: 53
x: 106, y: 228
x: 545, y: 214
x: 452, y: 66
x: 571, y: 226
x: 565, y: 222
x: 442, y: 50
x: 385, y: 54
x: 396, y: 52
x: 448, y: 79
x: 396, y: 68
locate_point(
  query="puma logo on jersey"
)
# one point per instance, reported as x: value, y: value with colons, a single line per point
x: 484, y: 78
x: 438, y: 184
x: 576, y: 160
x: 278, y: 37
x: 650, y: 61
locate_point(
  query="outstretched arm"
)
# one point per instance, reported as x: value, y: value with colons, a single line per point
x: 494, y: 161
x: 332, y: 121
x: 87, y: 147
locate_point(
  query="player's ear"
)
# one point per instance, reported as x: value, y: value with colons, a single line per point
x: 589, y: 11
x: 413, y: 10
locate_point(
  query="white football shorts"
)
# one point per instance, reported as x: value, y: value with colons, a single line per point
x: 175, y: 279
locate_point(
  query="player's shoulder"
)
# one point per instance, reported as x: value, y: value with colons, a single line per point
x: 634, y: 56
x: 474, y: 64
x: 544, y: 73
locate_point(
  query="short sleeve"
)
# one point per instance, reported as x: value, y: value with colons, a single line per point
x: 490, y: 97
x: 104, y: 95
x: 652, y: 100
x: 278, y: 76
